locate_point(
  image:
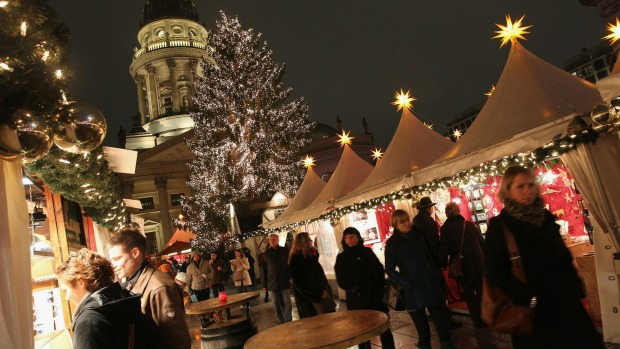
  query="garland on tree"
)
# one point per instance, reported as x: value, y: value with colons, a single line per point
x: 248, y: 138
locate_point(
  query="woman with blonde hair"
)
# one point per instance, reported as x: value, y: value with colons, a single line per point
x: 552, y: 285
x: 105, y: 315
x: 421, y: 280
x: 309, y: 282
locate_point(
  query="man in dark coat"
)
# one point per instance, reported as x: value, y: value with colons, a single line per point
x: 360, y: 273
x: 277, y: 279
x: 161, y: 299
x: 453, y: 229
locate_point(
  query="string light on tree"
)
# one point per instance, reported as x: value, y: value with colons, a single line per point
x: 511, y: 31
x: 403, y: 100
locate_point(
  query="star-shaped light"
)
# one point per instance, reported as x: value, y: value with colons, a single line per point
x: 490, y: 92
x: 308, y: 161
x: 428, y: 125
x: 403, y: 100
x: 614, y: 32
x: 377, y: 154
x: 511, y: 31
x: 457, y: 133
x: 345, y: 138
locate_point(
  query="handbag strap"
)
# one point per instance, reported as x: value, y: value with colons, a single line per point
x: 462, y: 237
x: 515, y: 257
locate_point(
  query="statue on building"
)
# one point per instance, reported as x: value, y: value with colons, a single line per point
x: 122, y: 137
x: 338, y: 123
x: 136, y: 124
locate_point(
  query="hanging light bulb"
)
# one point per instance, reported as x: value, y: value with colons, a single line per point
x: 23, y: 28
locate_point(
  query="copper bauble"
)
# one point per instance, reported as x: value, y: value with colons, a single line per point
x: 26, y: 133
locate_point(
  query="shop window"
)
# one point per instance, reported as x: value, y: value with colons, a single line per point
x: 176, y: 199
x: 147, y: 203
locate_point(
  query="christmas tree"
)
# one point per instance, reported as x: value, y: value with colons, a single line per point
x: 248, y: 138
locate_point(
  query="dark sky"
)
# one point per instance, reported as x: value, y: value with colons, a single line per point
x: 345, y: 57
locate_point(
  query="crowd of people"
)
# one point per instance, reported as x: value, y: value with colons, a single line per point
x: 145, y: 307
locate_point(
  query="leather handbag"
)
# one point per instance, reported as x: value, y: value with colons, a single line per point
x: 455, y: 268
x: 392, y: 295
x: 325, y: 305
x: 497, y: 309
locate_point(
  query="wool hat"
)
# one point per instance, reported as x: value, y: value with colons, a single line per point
x: 425, y: 202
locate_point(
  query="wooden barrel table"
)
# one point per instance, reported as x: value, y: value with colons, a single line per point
x: 232, y: 333
x: 342, y: 329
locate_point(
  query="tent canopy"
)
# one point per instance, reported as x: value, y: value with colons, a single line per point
x: 413, y: 147
x: 179, y: 241
x: 532, y: 103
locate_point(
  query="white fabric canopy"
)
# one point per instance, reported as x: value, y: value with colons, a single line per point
x: 310, y: 188
x: 532, y: 103
x: 414, y: 146
x: 349, y: 173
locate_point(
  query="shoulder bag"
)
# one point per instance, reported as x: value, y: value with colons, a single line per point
x: 498, y: 310
x: 392, y: 295
x: 455, y: 268
x: 325, y: 305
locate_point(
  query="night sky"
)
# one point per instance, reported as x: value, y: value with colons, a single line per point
x: 345, y: 57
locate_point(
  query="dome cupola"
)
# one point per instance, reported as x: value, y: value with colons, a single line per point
x: 160, y: 9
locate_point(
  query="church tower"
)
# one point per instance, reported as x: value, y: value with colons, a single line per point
x: 172, y: 42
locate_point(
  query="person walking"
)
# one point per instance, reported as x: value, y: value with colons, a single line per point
x: 361, y: 275
x: 105, y: 315
x: 198, y: 273
x: 160, y: 297
x: 421, y: 280
x: 462, y: 239
x: 240, y: 266
x: 309, y: 282
x: 218, y: 277
x: 553, y: 285
x: 276, y: 278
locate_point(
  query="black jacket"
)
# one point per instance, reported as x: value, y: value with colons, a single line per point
x: 276, y: 276
x: 473, y: 242
x: 104, y: 318
x: 426, y: 225
x: 309, y: 282
x: 361, y: 275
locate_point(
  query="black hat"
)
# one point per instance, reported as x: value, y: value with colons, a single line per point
x: 425, y: 202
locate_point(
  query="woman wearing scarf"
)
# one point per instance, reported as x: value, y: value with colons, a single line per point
x: 553, y: 285
x: 309, y: 281
x: 361, y: 275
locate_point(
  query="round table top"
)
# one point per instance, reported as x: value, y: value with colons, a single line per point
x: 214, y: 304
x: 341, y: 329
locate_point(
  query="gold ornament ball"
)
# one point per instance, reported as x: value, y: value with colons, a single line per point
x: 28, y: 134
x: 615, y: 103
x: 602, y: 113
x: 79, y: 127
x: 600, y: 128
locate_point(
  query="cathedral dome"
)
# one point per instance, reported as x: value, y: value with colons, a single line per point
x: 160, y: 9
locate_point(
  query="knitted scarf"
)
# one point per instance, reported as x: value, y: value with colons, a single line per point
x: 533, y: 214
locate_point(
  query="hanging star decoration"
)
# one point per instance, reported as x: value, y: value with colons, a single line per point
x: 511, y: 31
x: 377, y: 154
x: 308, y: 161
x: 403, y: 100
x: 457, y: 133
x: 428, y: 125
x: 344, y: 138
x: 490, y: 92
x: 614, y: 32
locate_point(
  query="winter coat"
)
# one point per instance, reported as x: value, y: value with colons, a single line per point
x: 309, y: 282
x: 421, y: 279
x: 218, y: 277
x: 560, y: 321
x: 162, y: 301
x: 473, y: 242
x: 242, y: 264
x: 195, y: 280
x: 361, y: 275
x: 103, y: 319
x: 425, y: 224
x: 276, y: 275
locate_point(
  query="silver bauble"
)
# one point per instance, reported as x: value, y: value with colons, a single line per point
x: 27, y: 133
x: 602, y: 113
x: 78, y: 127
x: 615, y: 103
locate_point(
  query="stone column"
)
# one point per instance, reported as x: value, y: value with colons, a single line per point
x: 140, y: 86
x: 172, y: 68
x: 164, y: 215
x: 193, y: 64
x: 152, y: 91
